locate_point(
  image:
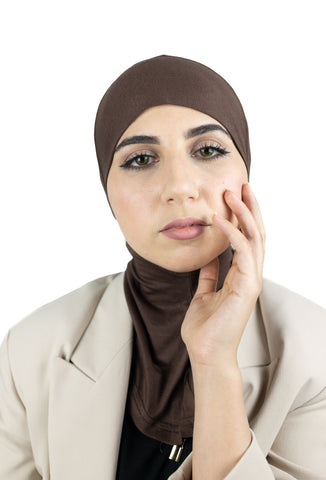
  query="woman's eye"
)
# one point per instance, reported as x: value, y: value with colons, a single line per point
x: 138, y: 162
x: 141, y: 160
x: 207, y: 151
x: 211, y: 151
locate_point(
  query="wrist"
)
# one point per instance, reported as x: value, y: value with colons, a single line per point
x: 222, y: 362
x: 221, y: 372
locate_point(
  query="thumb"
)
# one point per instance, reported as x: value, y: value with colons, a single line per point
x: 208, y: 276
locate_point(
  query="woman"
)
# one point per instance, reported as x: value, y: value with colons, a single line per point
x: 189, y: 364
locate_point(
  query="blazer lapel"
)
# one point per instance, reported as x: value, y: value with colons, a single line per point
x: 88, y: 393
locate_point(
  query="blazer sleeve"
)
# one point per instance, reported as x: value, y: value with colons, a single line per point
x: 16, y: 456
x: 298, y: 452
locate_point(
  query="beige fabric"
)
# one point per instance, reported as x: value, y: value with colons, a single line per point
x: 64, y: 376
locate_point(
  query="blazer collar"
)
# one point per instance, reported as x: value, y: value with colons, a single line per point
x: 111, y: 328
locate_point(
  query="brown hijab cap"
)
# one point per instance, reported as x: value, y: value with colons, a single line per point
x: 163, y: 80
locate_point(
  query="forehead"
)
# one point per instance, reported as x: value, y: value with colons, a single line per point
x: 163, y: 116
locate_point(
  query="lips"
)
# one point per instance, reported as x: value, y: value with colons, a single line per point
x: 183, y: 223
x: 184, y: 228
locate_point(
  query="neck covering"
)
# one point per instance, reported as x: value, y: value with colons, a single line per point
x: 161, y: 397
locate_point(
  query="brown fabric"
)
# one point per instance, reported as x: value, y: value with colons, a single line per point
x: 161, y: 400
x: 161, y: 396
x: 166, y: 80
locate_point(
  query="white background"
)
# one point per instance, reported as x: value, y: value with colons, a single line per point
x: 59, y: 57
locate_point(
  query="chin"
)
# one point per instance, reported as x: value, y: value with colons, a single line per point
x: 193, y: 255
x: 184, y: 258
x: 182, y: 268
x: 188, y: 263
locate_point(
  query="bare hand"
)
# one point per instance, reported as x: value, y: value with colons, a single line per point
x: 215, y: 321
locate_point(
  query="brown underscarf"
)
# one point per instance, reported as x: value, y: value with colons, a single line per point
x: 161, y: 397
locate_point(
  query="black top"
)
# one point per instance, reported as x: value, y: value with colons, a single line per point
x: 144, y: 457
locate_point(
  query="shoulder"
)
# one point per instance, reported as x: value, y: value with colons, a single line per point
x: 59, y: 324
x: 289, y: 310
x: 295, y: 329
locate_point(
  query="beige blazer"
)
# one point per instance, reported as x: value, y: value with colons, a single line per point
x: 64, y: 376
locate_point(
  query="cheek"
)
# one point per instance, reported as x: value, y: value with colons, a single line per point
x: 222, y: 183
x: 131, y: 211
x: 217, y: 188
x: 133, y: 197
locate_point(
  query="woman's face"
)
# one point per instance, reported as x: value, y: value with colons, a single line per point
x: 179, y: 174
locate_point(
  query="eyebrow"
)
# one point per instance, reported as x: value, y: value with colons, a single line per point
x: 193, y: 132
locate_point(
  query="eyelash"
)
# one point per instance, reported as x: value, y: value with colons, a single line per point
x: 127, y: 164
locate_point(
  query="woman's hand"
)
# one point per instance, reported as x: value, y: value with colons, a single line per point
x: 215, y: 321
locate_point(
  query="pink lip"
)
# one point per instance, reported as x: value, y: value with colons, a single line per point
x: 184, y: 228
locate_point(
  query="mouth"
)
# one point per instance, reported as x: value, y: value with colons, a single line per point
x: 184, y: 223
x: 184, y: 228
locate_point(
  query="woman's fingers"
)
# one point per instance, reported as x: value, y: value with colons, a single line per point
x: 238, y: 240
x: 250, y: 200
x: 208, y: 277
x: 248, y: 221
x: 249, y: 217
x: 249, y: 239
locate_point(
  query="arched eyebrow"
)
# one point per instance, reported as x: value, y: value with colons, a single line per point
x: 193, y: 132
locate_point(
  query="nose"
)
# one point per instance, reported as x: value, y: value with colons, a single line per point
x: 180, y: 182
